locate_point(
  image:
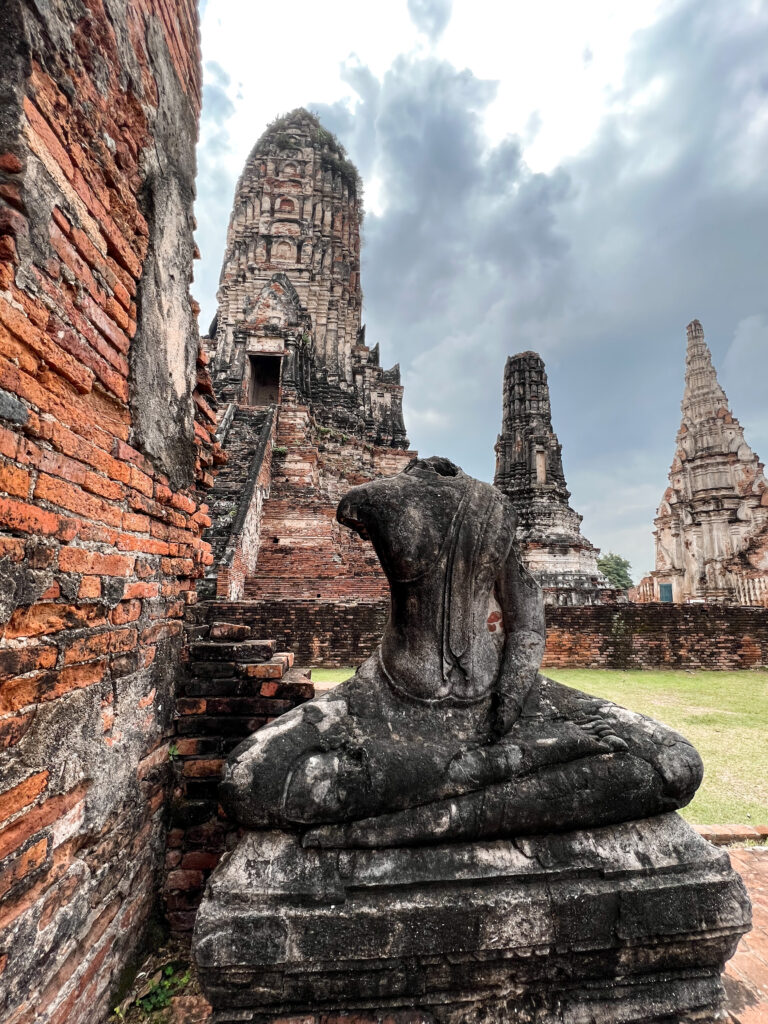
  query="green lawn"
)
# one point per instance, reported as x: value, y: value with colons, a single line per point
x: 724, y: 714
x: 331, y: 675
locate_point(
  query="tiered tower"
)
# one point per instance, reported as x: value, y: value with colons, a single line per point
x: 290, y: 301
x: 529, y: 470
x: 305, y: 410
x: 712, y: 523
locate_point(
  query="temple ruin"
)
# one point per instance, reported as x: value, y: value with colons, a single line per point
x: 712, y: 524
x: 529, y: 470
x: 305, y: 409
x: 122, y: 693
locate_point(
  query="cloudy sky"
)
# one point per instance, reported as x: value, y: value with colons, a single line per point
x: 581, y: 179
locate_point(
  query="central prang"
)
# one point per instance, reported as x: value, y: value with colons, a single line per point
x: 448, y: 731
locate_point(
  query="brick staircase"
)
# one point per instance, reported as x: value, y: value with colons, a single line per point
x: 233, y: 684
x: 242, y: 442
x: 304, y: 553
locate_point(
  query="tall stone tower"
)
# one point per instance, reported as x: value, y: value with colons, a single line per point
x: 305, y: 409
x: 529, y: 470
x: 290, y: 301
x: 712, y: 523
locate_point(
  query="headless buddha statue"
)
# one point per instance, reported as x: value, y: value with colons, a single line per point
x: 448, y: 731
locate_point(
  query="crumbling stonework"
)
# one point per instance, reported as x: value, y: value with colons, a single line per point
x: 290, y: 298
x: 341, y: 634
x: 712, y: 524
x: 304, y: 552
x: 529, y: 470
x: 288, y: 335
x: 337, y: 633
x: 104, y: 438
x: 232, y: 684
x: 241, y: 487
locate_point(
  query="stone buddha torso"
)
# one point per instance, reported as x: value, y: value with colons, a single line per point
x: 449, y: 730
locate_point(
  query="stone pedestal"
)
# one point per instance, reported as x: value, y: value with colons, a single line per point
x: 626, y: 924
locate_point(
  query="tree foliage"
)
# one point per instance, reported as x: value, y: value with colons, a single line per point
x: 616, y: 570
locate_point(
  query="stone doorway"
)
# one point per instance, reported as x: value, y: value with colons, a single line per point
x: 263, y: 380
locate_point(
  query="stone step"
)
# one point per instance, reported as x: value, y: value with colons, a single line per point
x: 237, y: 670
x: 244, y: 651
x: 229, y: 631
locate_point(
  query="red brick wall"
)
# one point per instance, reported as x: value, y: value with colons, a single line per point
x: 99, y: 520
x: 344, y: 633
x: 657, y: 636
x: 303, y: 552
x: 335, y: 634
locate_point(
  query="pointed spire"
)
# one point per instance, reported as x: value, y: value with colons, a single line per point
x: 712, y: 512
x: 703, y: 398
x: 529, y: 470
x: 529, y: 465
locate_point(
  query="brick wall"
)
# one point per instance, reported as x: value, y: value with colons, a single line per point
x: 233, y: 684
x: 335, y: 634
x: 102, y: 444
x: 344, y: 633
x: 657, y: 635
x: 303, y: 552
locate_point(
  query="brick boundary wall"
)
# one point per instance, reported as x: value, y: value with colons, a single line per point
x: 637, y: 636
x: 232, y: 684
x: 340, y: 634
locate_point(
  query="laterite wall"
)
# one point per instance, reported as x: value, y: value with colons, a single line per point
x: 102, y: 445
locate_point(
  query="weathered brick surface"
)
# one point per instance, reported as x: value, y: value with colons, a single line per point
x: 237, y: 499
x: 335, y: 633
x: 303, y: 552
x: 233, y: 683
x: 657, y: 636
x: 105, y: 435
x: 340, y: 633
x: 288, y: 334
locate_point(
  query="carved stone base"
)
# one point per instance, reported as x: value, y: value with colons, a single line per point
x: 626, y: 924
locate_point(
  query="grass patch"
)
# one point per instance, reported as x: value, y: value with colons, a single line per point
x: 724, y: 715
x: 324, y: 676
